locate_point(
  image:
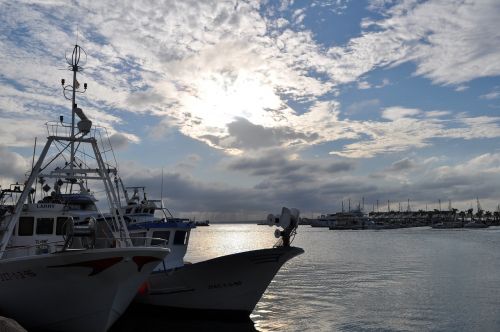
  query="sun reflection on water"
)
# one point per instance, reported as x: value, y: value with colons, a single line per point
x: 218, y: 240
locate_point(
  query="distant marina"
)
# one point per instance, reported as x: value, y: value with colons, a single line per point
x: 358, y: 219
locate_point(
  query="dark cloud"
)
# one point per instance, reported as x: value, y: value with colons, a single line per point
x: 402, y: 165
x: 245, y: 135
x: 144, y: 98
x: 274, y: 162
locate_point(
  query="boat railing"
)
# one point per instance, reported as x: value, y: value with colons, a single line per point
x: 63, y: 129
x: 149, y: 242
x: 99, y: 133
x: 101, y: 242
x: 34, y: 249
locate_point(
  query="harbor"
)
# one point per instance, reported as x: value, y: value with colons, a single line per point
x: 411, y: 279
x: 357, y: 219
x: 249, y: 165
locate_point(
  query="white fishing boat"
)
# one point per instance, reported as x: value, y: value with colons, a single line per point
x: 324, y: 220
x: 62, y: 267
x: 232, y: 283
x: 149, y: 219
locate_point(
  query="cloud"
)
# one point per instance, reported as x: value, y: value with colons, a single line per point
x: 12, y: 167
x: 276, y: 163
x: 431, y: 34
x: 120, y: 140
x: 188, y: 163
x: 495, y: 94
x: 318, y: 185
x: 397, y: 113
x: 221, y: 72
x: 404, y: 132
x: 437, y: 114
x: 465, y: 181
x: 363, y: 85
x: 140, y: 99
x: 404, y: 164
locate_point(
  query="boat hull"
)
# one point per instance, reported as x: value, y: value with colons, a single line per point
x: 229, y: 283
x: 74, y: 290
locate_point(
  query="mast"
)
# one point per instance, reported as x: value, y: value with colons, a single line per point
x: 74, y: 88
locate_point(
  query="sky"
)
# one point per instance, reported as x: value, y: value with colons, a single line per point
x: 248, y: 106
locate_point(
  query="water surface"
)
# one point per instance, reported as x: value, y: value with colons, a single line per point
x: 416, y: 279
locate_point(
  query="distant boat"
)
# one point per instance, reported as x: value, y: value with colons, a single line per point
x: 323, y: 220
x: 354, y: 219
x: 475, y: 224
x: 447, y: 225
x: 202, y: 223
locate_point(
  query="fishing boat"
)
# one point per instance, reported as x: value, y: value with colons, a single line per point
x: 62, y: 267
x: 231, y: 283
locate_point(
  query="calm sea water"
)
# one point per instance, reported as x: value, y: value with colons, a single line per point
x: 416, y: 279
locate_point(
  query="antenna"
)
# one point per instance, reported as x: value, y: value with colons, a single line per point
x: 77, y: 28
x: 161, y: 189
x: 74, y: 66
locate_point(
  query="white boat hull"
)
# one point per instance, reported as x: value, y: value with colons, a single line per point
x: 229, y: 283
x: 74, y: 290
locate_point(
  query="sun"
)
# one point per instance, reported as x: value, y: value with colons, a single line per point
x: 222, y: 97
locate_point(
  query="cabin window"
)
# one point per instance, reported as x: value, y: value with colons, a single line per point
x: 165, y: 235
x: 180, y: 237
x: 86, y: 205
x: 45, y: 225
x: 26, y: 225
x: 60, y: 225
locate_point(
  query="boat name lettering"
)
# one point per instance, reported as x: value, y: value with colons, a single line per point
x: 225, y: 284
x: 45, y: 206
x: 9, y: 276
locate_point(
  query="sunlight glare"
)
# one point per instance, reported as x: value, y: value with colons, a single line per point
x: 223, y: 97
